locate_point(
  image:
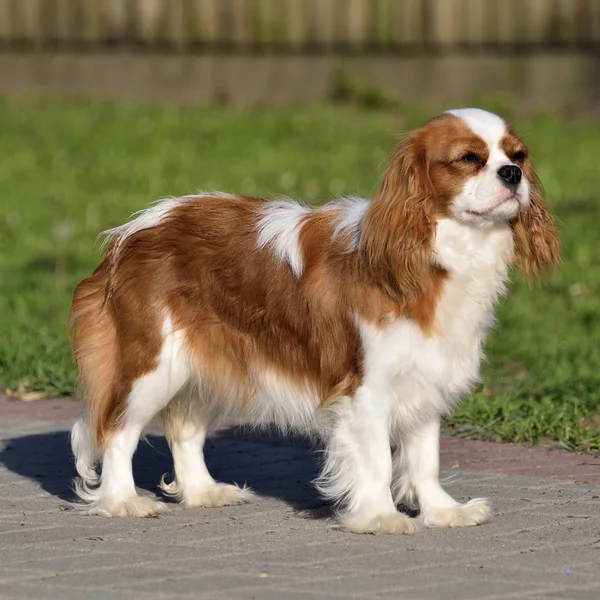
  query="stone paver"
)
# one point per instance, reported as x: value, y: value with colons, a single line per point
x: 544, y: 540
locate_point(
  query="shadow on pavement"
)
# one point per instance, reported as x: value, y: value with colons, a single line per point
x: 274, y: 470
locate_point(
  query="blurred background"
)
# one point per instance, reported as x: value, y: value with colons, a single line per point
x: 107, y: 105
x: 279, y: 51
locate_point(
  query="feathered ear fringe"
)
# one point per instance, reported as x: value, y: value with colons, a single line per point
x: 536, y: 240
x: 398, y: 231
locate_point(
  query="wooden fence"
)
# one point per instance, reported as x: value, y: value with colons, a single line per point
x: 300, y: 25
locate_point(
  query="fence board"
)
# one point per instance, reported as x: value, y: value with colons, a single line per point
x: 539, y: 16
x: 296, y: 24
x: 407, y: 23
x: 516, y: 17
x: 383, y: 23
x: 446, y: 19
x: 115, y: 16
x: 89, y: 22
x: 491, y: 23
x: 149, y: 18
x: 474, y: 17
x: 206, y: 23
x: 176, y: 32
x: 73, y: 21
x: 324, y: 16
x: 595, y: 21
x: 567, y: 17
x: 240, y: 14
x: 23, y: 21
x: 357, y: 23
x: 79, y: 20
x: 4, y: 20
x: 502, y: 22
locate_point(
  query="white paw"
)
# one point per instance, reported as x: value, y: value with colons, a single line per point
x: 135, y: 506
x: 218, y: 494
x: 392, y: 523
x: 474, y: 512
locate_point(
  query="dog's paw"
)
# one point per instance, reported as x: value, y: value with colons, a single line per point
x: 474, y: 512
x: 135, y: 506
x: 380, y: 524
x: 218, y: 494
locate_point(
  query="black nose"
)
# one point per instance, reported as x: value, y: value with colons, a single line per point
x: 510, y: 174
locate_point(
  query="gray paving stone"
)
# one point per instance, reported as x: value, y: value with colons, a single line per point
x: 544, y: 540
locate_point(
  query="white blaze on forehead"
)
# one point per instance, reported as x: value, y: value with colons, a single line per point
x: 488, y: 126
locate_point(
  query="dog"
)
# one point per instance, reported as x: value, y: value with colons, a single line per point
x: 361, y: 321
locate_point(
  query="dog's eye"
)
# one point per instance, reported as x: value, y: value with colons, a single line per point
x: 470, y: 158
x: 518, y: 156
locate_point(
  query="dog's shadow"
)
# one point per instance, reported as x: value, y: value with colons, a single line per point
x: 279, y: 471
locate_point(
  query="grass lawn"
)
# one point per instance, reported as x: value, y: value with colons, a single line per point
x: 70, y: 170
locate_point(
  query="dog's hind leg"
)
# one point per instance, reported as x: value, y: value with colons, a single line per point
x: 113, y: 493
x: 187, y: 419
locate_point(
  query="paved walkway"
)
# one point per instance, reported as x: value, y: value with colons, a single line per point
x: 544, y: 540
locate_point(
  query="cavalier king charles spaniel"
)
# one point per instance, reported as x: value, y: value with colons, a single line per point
x: 360, y: 320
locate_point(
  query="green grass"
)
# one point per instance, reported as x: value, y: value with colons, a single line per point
x: 70, y: 170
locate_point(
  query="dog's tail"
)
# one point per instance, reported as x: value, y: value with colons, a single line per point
x: 94, y: 339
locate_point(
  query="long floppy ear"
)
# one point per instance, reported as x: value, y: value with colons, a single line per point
x: 536, y: 240
x: 398, y: 230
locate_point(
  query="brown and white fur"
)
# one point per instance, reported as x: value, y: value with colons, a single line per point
x: 361, y: 320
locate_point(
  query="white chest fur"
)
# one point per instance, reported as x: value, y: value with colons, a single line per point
x: 425, y: 374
